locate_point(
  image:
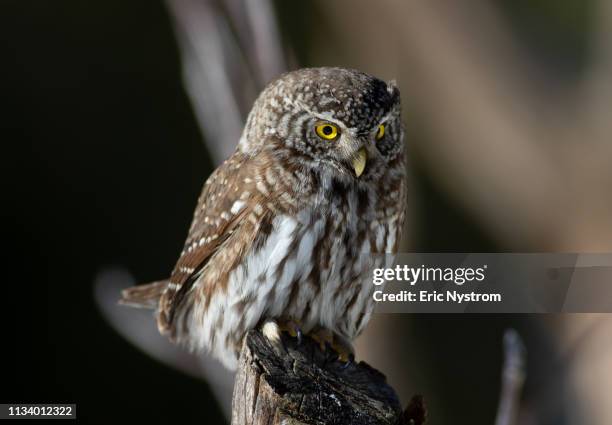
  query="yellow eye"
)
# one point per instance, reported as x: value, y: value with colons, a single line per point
x: 326, y: 131
x: 381, y: 132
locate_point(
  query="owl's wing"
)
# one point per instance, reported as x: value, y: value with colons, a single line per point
x: 218, y: 212
x: 227, y: 197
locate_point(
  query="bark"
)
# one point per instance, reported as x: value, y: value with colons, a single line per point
x: 301, y: 384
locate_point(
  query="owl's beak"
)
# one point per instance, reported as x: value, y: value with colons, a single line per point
x: 359, y: 162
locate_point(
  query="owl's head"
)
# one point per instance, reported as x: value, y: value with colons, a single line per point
x: 332, y: 119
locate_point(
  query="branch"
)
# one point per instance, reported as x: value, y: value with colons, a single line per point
x: 303, y: 385
x: 513, y: 377
x: 207, y: 51
x: 225, y: 70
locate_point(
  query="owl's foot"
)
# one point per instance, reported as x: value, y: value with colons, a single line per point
x: 340, y: 345
x: 344, y: 348
x: 323, y: 337
x: 272, y: 330
x: 293, y: 328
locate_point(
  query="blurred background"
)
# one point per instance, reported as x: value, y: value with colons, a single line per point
x: 114, y: 113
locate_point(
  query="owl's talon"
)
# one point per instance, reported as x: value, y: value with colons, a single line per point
x: 349, y: 362
x: 323, y: 337
x: 345, y: 357
x: 344, y: 349
x: 320, y: 343
x: 292, y: 328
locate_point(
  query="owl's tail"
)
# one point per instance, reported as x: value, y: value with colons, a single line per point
x: 144, y: 296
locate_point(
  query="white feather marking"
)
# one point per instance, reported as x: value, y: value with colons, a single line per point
x: 237, y: 207
x: 262, y: 188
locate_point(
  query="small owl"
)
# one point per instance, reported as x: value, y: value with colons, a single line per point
x: 286, y: 229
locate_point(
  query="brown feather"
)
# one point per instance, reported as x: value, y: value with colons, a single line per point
x: 144, y: 296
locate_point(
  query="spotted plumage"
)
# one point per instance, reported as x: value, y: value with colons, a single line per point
x: 286, y: 228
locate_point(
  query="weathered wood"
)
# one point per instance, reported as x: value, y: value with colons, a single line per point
x: 303, y: 385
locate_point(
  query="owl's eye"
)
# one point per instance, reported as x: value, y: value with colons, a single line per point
x: 326, y: 131
x: 380, y: 132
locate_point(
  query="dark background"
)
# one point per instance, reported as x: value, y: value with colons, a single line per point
x: 102, y: 164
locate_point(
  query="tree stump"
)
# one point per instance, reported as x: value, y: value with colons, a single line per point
x: 304, y: 385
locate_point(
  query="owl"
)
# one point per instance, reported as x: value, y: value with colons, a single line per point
x: 287, y: 228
